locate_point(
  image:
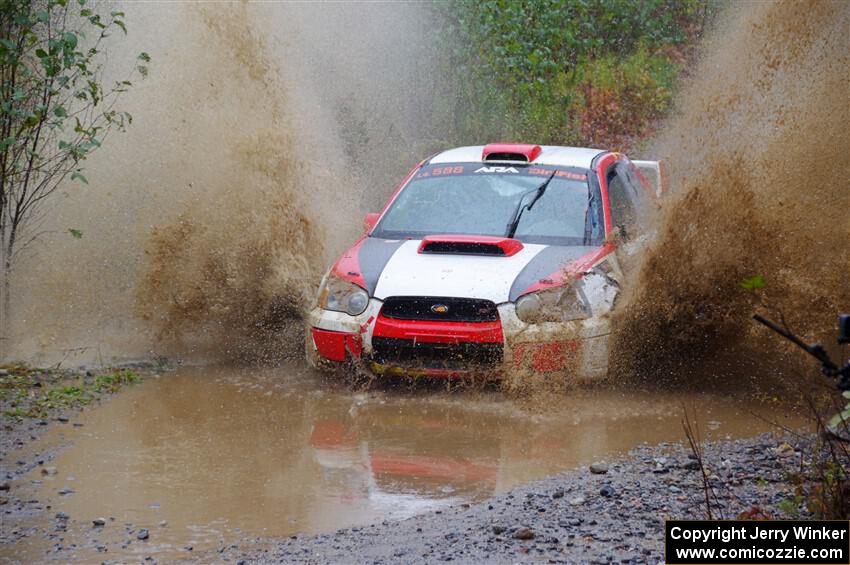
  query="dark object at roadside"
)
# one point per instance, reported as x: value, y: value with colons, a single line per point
x: 844, y: 328
x: 607, y: 491
x: 599, y: 468
x: 828, y: 367
x: 143, y: 534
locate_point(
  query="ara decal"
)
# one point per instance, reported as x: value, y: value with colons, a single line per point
x: 497, y: 170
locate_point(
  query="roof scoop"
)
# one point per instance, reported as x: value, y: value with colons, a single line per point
x: 470, y: 245
x: 510, y: 152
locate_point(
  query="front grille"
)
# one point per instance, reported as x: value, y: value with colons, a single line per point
x: 430, y: 308
x: 407, y: 352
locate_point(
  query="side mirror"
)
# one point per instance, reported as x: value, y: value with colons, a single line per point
x: 844, y: 328
x: 654, y: 174
x: 370, y: 221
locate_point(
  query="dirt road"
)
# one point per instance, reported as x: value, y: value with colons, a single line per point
x: 196, y: 460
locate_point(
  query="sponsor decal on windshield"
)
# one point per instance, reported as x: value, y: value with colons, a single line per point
x: 441, y: 171
x: 496, y: 170
x: 558, y: 174
x: 447, y: 170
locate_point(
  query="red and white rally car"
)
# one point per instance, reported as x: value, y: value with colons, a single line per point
x: 487, y: 258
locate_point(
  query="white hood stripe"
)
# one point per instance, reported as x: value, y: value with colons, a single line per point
x: 410, y: 273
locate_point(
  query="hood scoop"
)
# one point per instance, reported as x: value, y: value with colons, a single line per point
x: 470, y: 245
x: 511, y: 152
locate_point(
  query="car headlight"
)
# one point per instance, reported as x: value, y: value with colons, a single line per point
x: 341, y: 295
x: 594, y: 293
x: 560, y: 304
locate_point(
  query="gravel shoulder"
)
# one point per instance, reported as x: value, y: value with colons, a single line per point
x: 575, y: 517
x: 32, y: 401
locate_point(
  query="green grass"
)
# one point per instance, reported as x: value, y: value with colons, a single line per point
x: 114, y: 381
x: 28, y: 400
x: 17, y: 412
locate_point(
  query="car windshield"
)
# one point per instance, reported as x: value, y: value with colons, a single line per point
x: 477, y: 199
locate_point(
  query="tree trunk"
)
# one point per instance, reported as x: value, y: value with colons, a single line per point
x: 6, y: 250
x: 5, y: 304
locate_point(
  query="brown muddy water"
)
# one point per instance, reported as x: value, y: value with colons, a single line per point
x: 222, y: 453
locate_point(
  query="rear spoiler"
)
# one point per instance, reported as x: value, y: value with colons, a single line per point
x: 653, y: 172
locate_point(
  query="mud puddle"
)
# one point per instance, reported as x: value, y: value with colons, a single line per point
x: 204, y: 457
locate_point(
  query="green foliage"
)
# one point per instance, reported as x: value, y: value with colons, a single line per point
x: 55, y: 106
x: 114, y: 381
x: 38, y: 406
x: 17, y: 413
x: 791, y: 506
x: 839, y: 424
x: 64, y: 397
x: 565, y: 71
x: 53, y: 73
x: 753, y: 283
x: 823, y: 491
x: 76, y: 234
x: 25, y: 393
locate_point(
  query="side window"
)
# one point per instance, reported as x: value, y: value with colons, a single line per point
x: 594, y: 228
x: 624, y: 202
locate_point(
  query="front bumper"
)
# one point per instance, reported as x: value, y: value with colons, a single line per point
x: 395, y: 347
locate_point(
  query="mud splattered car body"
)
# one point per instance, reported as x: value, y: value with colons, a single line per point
x: 485, y: 259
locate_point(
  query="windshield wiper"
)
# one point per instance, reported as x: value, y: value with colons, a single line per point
x: 514, y: 223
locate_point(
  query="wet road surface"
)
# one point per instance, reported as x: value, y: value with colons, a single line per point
x: 205, y: 456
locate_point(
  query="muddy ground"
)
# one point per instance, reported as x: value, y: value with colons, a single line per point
x: 32, y: 401
x: 196, y: 463
x: 604, y: 514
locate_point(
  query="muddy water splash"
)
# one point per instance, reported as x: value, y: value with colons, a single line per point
x: 262, y: 136
x: 232, y: 271
x: 757, y: 167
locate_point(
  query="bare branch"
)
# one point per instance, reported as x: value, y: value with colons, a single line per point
x: 54, y: 111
